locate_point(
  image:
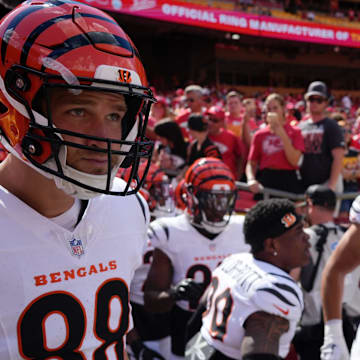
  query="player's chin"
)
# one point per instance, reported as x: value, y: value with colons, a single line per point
x: 91, y: 167
x: 94, y: 166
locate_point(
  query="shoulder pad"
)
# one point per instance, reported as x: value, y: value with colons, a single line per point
x: 158, y: 233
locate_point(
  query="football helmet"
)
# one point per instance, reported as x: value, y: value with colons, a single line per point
x: 211, y: 194
x: 156, y: 189
x: 180, y: 195
x: 55, y: 44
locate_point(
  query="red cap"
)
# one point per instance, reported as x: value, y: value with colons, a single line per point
x: 216, y: 111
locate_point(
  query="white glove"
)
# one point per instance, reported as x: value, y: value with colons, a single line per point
x: 334, y: 347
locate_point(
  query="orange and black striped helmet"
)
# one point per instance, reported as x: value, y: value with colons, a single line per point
x: 156, y: 189
x: 50, y: 45
x: 180, y: 195
x: 211, y: 194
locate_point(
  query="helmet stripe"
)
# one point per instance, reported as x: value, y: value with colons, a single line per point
x: 81, y: 40
x: 215, y: 177
x: 13, y: 24
x: 42, y: 27
x: 20, y: 17
x: 194, y: 175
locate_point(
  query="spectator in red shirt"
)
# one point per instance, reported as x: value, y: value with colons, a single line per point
x: 235, y: 112
x: 276, y: 151
x: 240, y: 118
x: 230, y: 145
x: 194, y: 104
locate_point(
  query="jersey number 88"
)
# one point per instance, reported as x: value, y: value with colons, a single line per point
x: 31, y: 328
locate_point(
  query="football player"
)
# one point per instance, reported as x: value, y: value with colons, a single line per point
x: 189, y: 246
x: 252, y: 304
x: 74, y: 106
x: 156, y: 189
x: 146, y: 341
x: 335, y: 279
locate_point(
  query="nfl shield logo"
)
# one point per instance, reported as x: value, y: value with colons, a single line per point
x: 76, y: 247
x: 212, y: 247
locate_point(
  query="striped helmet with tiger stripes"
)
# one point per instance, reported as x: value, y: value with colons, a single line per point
x: 211, y: 194
x: 180, y: 195
x: 156, y: 189
x: 60, y: 44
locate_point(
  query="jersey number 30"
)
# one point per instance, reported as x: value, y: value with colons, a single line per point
x: 221, y: 306
x: 31, y: 329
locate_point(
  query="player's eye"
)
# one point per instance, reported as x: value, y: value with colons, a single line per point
x: 115, y: 116
x: 77, y: 112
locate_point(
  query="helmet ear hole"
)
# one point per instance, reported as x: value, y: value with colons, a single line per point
x: 16, y: 82
x: 35, y: 148
x: 31, y: 147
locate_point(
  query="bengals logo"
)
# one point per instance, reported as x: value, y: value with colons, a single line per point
x: 288, y: 220
x: 124, y: 76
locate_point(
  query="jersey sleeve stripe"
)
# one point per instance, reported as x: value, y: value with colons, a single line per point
x: 284, y: 276
x: 278, y: 295
x: 289, y: 289
x: 166, y: 230
x: 152, y: 232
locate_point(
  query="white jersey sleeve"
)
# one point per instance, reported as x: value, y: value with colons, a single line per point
x: 242, y: 286
x: 137, y: 283
x: 354, y: 215
x: 159, y: 235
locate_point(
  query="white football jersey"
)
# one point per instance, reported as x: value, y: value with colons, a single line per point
x: 65, y: 294
x: 240, y: 287
x: 193, y: 255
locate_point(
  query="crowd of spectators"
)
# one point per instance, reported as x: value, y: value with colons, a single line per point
x: 306, y: 9
x: 274, y: 134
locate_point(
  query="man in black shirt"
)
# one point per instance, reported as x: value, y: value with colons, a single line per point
x: 324, y: 142
x: 201, y: 146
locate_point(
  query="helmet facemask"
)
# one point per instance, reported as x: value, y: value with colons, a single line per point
x: 212, y: 209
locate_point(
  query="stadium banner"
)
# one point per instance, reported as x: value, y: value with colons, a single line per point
x: 232, y: 21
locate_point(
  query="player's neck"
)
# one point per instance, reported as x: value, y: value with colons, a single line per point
x: 32, y: 188
x: 271, y: 259
x: 205, y: 233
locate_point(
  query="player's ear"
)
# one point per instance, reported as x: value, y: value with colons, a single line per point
x: 270, y: 246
